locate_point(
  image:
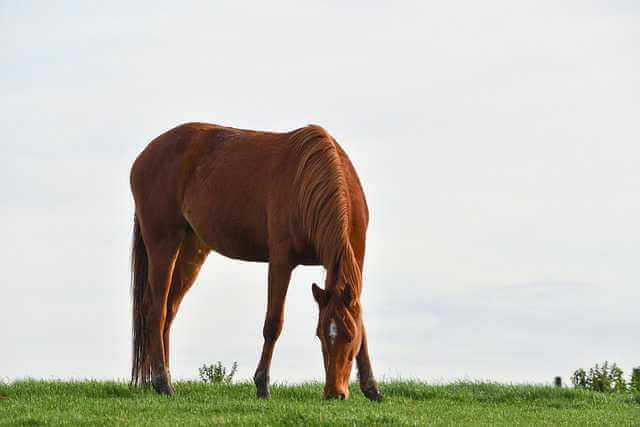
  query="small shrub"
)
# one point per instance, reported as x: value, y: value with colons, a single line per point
x: 579, y: 378
x: 617, y: 379
x: 603, y: 378
x: 634, y: 385
x: 600, y: 378
x: 216, y: 374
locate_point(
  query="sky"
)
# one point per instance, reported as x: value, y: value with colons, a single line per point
x: 497, y: 144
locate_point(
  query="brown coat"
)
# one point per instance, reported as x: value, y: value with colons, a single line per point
x: 283, y: 198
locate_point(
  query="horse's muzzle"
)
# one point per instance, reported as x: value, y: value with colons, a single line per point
x: 339, y: 395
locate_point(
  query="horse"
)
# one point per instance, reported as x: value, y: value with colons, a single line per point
x: 287, y: 199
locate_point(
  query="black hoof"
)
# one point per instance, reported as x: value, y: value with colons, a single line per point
x: 162, y: 386
x: 263, y: 394
x: 374, y: 395
x: 262, y: 385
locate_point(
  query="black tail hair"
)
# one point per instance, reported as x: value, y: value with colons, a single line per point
x: 141, y: 366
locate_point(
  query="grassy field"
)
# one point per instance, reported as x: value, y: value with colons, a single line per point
x: 110, y: 403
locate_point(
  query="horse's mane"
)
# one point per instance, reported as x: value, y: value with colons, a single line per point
x: 324, y: 203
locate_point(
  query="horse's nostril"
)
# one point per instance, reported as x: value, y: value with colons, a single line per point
x: 341, y: 396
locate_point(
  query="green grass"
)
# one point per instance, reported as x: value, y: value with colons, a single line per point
x: 33, y: 402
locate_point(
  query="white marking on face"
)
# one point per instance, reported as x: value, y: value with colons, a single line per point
x: 333, y: 331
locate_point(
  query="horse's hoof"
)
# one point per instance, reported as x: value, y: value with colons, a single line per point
x: 165, y: 390
x: 162, y: 386
x: 374, y: 395
x: 263, y: 393
x: 262, y: 385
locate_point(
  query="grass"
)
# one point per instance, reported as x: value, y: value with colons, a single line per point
x: 32, y: 402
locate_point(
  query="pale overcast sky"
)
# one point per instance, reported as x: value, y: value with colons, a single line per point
x: 497, y: 143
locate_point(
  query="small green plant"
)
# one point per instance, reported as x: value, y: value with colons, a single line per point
x: 600, y: 377
x: 634, y: 385
x: 603, y: 378
x: 617, y: 379
x: 579, y: 378
x: 216, y: 374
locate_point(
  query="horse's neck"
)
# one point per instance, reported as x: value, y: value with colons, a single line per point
x: 343, y: 269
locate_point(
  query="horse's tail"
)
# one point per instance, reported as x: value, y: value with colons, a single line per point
x: 141, y: 367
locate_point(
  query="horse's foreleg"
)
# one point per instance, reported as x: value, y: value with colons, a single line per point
x: 162, y: 258
x: 279, y: 275
x: 368, y: 384
x: 190, y: 259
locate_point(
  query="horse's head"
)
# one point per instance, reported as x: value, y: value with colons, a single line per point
x: 340, y: 332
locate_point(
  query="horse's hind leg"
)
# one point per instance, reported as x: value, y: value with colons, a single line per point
x: 191, y: 257
x: 162, y: 247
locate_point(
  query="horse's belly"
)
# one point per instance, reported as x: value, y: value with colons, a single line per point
x: 230, y: 234
x: 238, y: 244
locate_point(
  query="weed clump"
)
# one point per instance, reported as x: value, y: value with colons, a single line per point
x: 605, y: 378
x: 217, y: 374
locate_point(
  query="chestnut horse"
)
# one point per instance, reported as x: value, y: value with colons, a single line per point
x: 288, y: 199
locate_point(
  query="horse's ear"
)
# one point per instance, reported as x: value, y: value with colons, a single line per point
x: 320, y: 295
x: 347, y: 297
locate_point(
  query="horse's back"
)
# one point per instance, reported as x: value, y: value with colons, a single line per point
x: 171, y: 159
